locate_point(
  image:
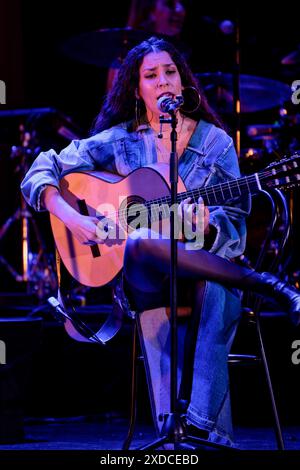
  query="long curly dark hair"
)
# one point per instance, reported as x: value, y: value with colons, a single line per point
x: 119, y: 103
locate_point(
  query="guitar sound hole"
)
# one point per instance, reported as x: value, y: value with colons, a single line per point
x: 133, y: 214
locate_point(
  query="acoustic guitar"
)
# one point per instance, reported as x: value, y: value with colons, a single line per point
x: 145, y: 193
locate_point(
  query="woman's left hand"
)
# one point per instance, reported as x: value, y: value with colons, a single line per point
x: 189, y: 212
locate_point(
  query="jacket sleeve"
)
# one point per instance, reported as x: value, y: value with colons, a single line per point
x: 229, y: 220
x: 49, y: 167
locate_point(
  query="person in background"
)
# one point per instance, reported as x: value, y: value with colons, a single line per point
x: 124, y: 138
x: 159, y: 17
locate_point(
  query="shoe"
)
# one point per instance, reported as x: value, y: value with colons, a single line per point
x: 286, y: 294
x: 194, y: 431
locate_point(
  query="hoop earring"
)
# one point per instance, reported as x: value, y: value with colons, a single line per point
x: 198, y: 98
x: 137, y: 112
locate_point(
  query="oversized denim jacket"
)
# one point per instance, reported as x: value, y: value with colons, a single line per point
x: 209, y: 158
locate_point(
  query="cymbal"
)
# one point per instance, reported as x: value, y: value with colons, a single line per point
x: 293, y: 58
x: 103, y: 46
x: 256, y: 93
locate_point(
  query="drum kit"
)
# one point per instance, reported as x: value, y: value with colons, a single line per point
x: 264, y: 141
x: 36, y: 129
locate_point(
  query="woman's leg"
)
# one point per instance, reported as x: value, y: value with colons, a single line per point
x: 147, y: 263
x: 209, y: 405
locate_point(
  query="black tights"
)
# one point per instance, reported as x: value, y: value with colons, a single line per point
x: 147, y: 265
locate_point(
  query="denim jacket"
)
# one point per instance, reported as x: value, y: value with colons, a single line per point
x: 209, y: 158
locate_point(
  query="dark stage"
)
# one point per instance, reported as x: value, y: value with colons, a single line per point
x: 57, y: 393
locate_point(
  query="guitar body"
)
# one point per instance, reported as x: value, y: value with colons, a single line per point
x: 97, y: 265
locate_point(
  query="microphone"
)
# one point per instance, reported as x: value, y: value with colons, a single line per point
x: 167, y: 104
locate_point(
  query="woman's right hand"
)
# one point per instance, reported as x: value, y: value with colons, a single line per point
x: 87, y: 230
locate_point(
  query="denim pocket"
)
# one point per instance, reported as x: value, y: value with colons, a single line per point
x: 198, y: 174
x: 133, y: 152
x: 128, y: 155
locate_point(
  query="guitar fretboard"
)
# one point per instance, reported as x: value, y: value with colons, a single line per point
x: 212, y: 195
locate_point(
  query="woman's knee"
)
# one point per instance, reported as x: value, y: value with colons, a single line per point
x: 137, y: 246
x: 138, y: 269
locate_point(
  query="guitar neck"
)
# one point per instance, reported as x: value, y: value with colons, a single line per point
x: 212, y: 195
x: 220, y: 193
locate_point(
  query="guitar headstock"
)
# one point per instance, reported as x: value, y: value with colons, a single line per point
x: 283, y: 174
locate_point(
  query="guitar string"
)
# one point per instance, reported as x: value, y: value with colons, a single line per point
x: 166, y: 199
x: 208, y: 192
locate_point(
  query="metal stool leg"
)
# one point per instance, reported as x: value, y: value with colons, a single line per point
x: 277, y: 426
x: 133, y: 403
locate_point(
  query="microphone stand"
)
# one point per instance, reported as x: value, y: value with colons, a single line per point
x: 172, y: 430
x: 172, y: 427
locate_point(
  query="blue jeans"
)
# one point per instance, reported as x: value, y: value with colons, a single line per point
x: 209, y: 406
